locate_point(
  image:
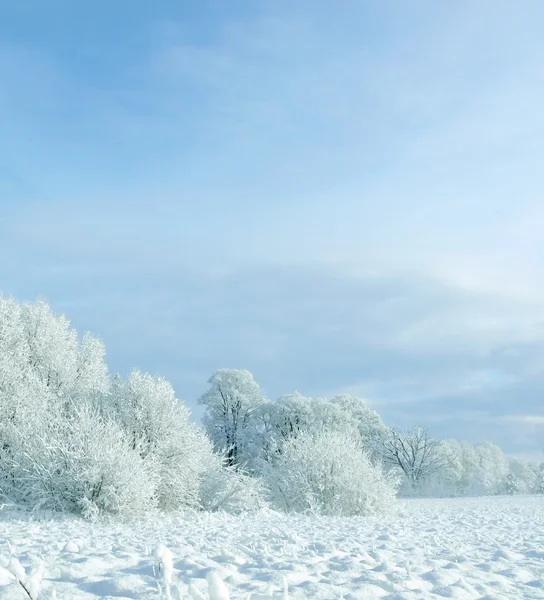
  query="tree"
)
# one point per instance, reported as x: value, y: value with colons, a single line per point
x: 538, y: 485
x: 293, y: 414
x: 159, y: 429
x: 492, y: 468
x: 45, y: 374
x: 412, y: 452
x: 43, y: 365
x: 358, y: 416
x: 231, y: 402
x: 522, y: 476
x: 71, y: 440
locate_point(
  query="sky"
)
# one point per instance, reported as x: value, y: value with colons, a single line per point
x: 338, y: 196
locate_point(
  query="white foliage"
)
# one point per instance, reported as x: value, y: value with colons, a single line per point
x: 493, y: 467
x: 231, y: 402
x: 356, y: 415
x: 277, y: 422
x: 73, y: 441
x: 80, y: 463
x: 481, y: 470
x: 328, y: 473
x: 160, y: 431
x: 44, y: 373
x: 230, y: 490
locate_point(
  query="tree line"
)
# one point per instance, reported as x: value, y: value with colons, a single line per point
x: 253, y: 431
x: 75, y: 439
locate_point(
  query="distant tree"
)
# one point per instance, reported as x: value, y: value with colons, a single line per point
x: 538, y: 485
x: 414, y: 453
x: 231, y: 403
x: 522, y: 476
x: 359, y: 417
x: 294, y: 414
x: 491, y: 470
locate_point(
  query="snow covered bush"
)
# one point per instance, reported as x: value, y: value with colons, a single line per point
x: 45, y: 371
x: 80, y: 463
x: 231, y: 490
x: 159, y: 429
x: 328, y: 473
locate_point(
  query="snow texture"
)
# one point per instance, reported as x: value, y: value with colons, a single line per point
x: 464, y: 548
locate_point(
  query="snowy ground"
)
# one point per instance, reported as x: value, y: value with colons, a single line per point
x: 466, y: 548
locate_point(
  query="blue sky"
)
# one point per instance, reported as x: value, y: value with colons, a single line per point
x: 337, y: 196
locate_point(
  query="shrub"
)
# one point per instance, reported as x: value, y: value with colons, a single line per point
x: 79, y: 463
x: 330, y: 474
x: 158, y: 427
x: 230, y: 489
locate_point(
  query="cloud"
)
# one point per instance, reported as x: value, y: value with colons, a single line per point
x: 337, y: 200
x: 528, y: 420
x: 417, y: 348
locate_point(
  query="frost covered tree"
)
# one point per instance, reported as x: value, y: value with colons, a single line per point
x: 43, y: 364
x: 521, y: 477
x: 480, y: 470
x: 44, y: 369
x: 231, y: 403
x: 492, y: 468
x: 328, y: 473
x: 360, y: 418
x: 294, y: 414
x: 538, y: 484
x: 71, y: 440
x: 447, y: 479
x: 414, y: 453
x: 159, y: 429
x: 49, y: 381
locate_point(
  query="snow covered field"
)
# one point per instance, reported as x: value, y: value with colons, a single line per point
x: 462, y: 548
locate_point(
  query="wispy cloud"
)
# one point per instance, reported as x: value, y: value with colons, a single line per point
x: 529, y: 420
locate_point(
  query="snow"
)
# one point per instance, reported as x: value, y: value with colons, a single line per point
x: 164, y: 557
x: 467, y: 548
